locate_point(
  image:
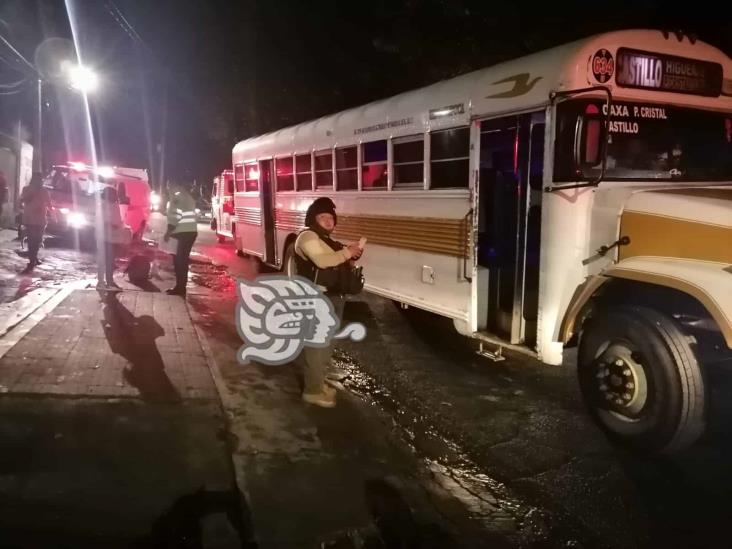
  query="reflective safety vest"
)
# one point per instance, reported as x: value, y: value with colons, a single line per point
x: 182, y: 213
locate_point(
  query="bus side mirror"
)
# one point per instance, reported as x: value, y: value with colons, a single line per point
x: 592, y: 141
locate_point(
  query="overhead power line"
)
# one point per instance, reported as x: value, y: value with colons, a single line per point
x: 18, y: 54
x: 123, y: 23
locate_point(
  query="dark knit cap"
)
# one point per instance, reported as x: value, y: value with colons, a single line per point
x: 321, y: 205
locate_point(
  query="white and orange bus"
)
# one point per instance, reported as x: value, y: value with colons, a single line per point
x: 578, y: 195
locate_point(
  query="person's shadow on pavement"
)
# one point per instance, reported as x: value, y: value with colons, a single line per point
x: 181, y: 525
x: 134, y: 339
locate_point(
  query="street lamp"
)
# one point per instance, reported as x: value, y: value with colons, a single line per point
x: 78, y: 77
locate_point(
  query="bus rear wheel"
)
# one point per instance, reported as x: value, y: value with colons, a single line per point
x: 641, y: 380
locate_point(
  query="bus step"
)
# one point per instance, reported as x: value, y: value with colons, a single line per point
x: 494, y: 355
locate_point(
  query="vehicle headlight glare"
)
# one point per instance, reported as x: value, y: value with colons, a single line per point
x: 76, y: 220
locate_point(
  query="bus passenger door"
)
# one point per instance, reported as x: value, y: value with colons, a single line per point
x: 507, y: 239
x: 266, y: 194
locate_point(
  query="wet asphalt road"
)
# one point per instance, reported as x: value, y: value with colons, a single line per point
x: 509, y: 442
x: 515, y: 435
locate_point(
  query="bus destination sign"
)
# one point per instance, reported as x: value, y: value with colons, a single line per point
x: 656, y: 71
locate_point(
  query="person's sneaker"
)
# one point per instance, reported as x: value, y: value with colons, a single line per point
x: 101, y: 286
x: 114, y: 287
x: 324, y: 399
x: 28, y: 269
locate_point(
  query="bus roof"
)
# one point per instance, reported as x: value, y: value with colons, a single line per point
x: 513, y: 86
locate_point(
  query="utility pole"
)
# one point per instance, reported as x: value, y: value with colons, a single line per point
x: 37, y: 154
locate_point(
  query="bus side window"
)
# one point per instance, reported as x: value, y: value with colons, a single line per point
x: 374, y: 166
x: 346, y: 169
x: 409, y: 162
x: 324, y: 169
x: 239, y: 178
x: 251, y: 177
x: 450, y: 158
x: 304, y: 172
x: 284, y: 173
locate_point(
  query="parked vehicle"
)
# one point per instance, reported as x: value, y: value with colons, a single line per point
x: 577, y: 196
x: 74, y: 186
x: 222, y: 205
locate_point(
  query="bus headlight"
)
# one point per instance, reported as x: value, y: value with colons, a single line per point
x: 155, y: 200
x: 76, y: 220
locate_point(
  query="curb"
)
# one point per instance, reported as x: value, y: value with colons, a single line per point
x: 227, y: 403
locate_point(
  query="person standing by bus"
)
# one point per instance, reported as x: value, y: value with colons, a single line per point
x: 182, y: 226
x: 36, y: 201
x: 315, y: 250
x: 112, y: 225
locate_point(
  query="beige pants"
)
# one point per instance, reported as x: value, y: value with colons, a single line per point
x: 317, y: 359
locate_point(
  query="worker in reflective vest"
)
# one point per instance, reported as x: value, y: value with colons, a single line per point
x: 182, y: 226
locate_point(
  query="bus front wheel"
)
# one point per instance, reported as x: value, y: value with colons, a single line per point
x: 641, y: 380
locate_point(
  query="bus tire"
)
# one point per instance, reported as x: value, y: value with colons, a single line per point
x: 641, y: 380
x: 288, y: 261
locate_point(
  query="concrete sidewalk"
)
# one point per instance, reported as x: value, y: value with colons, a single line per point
x: 7, y: 235
x: 131, y: 344
x: 112, y: 429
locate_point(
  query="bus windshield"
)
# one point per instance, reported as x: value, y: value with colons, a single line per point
x: 649, y: 142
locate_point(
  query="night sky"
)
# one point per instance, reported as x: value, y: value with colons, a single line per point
x: 189, y: 78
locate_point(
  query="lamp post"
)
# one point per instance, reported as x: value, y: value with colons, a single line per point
x: 78, y: 77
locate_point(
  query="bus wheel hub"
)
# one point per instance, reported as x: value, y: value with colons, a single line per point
x: 621, y: 380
